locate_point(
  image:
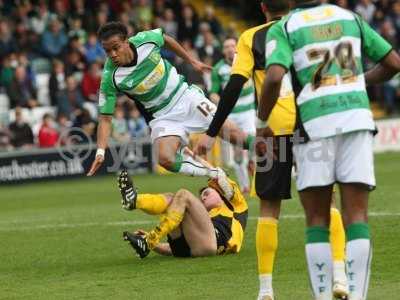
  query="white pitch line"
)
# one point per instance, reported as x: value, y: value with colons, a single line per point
x: 74, y: 225
x: 147, y: 222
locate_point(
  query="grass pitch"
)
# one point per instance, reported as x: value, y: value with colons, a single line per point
x: 63, y: 240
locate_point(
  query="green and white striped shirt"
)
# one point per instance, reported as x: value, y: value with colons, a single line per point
x: 323, y: 47
x: 219, y: 79
x: 152, y: 80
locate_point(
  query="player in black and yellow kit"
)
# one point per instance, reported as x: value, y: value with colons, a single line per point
x: 273, y: 184
x: 211, y: 225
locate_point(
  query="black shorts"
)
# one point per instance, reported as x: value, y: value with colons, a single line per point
x: 275, y: 182
x: 180, y: 247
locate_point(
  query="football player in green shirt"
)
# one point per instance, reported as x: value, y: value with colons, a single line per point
x: 172, y: 108
x: 322, y: 47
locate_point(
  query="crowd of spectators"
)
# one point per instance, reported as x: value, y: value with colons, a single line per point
x: 58, y: 38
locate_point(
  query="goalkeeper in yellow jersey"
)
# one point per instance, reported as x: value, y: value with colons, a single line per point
x: 212, y: 224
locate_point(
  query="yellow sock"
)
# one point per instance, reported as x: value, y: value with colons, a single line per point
x: 169, y: 222
x: 266, y: 244
x: 253, y: 186
x: 337, y: 236
x: 153, y: 204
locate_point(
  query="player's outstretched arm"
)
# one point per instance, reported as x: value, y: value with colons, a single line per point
x: 174, y: 46
x: 229, y: 97
x: 385, y: 70
x: 103, y: 133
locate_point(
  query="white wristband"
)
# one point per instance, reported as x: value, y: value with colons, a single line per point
x: 260, y: 124
x: 100, y: 152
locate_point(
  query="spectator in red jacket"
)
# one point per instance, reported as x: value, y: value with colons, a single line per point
x: 48, y: 135
x: 91, y: 82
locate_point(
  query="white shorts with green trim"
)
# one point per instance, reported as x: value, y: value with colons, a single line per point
x: 345, y: 158
x: 192, y: 113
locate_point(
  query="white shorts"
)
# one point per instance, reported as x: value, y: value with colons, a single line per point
x: 246, y: 121
x: 192, y: 113
x: 346, y: 158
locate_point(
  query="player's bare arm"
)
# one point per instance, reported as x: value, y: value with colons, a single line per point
x: 271, y: 90
x: 385, y: 70
x: 103, y: 133
x: 173, y: 45
x: 269, y: 96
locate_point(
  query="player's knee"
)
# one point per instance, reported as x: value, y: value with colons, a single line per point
x: 355, y: 217
x: 183, y: 196
x: 183, y: 193
x: 318, y: 220
x: 270, y: 208
x: 166, y: 160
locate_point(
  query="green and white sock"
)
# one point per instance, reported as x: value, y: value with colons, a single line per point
x: 249, y: 143
x: 185, y: 164
x: 319, y: 262
x: 359, y: 255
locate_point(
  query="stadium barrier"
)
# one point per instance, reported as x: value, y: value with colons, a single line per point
x: 73, y: 161
x: 388, y: 137
x: 137, y: 156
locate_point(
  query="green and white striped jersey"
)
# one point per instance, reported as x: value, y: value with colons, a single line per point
x: 219, y: 78
x: 323, y: 47
x: 150, y: 80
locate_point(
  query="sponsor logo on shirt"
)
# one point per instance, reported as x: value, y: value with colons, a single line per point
x: 151, y: 80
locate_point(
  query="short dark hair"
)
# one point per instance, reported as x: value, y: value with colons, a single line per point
x: 276, y: 6
x: 112, y: 28
x: 46, y: 116
x: 201, y: 190
x: 231, y: 38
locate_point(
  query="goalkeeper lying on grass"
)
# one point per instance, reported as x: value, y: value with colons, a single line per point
x: 210, y: 225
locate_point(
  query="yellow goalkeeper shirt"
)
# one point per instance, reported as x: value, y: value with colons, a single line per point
x: 250, y: 62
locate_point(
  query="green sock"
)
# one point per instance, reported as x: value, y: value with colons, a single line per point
x: 357, y: 231
x: 177, y: 164
x: 249, y: 142
x: 317, y: 234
